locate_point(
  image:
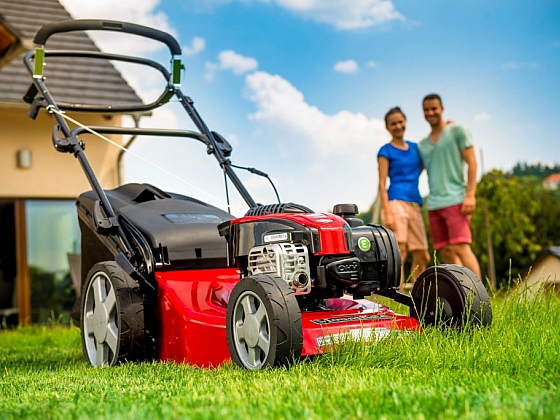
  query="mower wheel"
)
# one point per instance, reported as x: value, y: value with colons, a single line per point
x: 112, y: 317
x: 451, y: 295
x: 263, y: 323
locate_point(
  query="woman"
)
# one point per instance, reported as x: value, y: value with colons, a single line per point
x: 401, y: 203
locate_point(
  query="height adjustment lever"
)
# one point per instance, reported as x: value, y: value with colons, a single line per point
x: 65, y: 144
x: 104, y: 225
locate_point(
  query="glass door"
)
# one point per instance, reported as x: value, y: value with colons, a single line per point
x: 53, y: 239
x: 8, y: 299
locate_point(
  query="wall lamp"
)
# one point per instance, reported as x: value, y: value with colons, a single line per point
x: 23, y: 158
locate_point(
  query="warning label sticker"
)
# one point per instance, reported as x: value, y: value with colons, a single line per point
x: 359, y: 318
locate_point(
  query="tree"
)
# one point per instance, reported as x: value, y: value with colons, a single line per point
x: 366, y: 216
x: 372, y: 215
x: 513, y: 206
x: 538, y: 170
x: 547, y: 219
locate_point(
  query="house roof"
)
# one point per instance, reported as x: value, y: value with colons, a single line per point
x: 74, y: 80
x: 552, y: 178
x: 552, y: 250
x: 549, y: 250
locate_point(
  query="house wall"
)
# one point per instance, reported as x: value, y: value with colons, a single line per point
x: 546, y: 269
x: 551, y: 185
x: 52, y: 174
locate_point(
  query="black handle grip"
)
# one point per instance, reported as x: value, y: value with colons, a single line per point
x: 105, y: 25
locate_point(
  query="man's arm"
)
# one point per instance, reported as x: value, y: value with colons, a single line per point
x: 469, y: 203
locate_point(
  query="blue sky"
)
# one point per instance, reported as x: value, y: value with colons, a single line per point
x: 300, y: 87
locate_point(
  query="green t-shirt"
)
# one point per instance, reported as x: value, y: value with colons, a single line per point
x: 445, y: 166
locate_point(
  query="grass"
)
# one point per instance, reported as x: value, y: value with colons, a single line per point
x: 510, y: 371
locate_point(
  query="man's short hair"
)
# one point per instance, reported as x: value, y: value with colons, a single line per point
x: 433, y: 96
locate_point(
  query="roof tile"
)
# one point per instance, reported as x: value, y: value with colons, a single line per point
x: 70, y: 80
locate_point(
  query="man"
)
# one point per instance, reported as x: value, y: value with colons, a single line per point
x: 452, y: 200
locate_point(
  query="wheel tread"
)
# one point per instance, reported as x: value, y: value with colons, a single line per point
x: 285, y: 319
x: 477, y: 310
x: 132, y: 336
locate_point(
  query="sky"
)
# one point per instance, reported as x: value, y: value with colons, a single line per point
x: 300, y: 87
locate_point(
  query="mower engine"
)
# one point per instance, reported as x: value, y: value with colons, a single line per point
x: 289, y: 261
x: 319, y: 255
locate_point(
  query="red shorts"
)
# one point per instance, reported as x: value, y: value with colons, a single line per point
x: 449, y: 226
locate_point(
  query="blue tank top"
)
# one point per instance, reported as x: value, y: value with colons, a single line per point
x: 404, y: 170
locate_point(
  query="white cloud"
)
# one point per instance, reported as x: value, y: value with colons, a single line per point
x: 515, y: 65
x: 372, y: 64
x: 331, y: 158
x: 197, y: 45
x: 482, y: 117
x: 343, y: 14
x: 348, y: 66
x: 238, y: 64
x: 230, y: 60
x: 280, y: 104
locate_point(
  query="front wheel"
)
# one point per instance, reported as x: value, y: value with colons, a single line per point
x: 112, y: 317
x: 451, y: 295
x: 263, y: 323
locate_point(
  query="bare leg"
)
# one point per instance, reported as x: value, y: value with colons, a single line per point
x: 449, y: 255
x: 420, y: 259
x: 467, y: 257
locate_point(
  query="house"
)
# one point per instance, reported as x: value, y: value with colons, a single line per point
x: 544, y: 272
x: 38, y: 185
x: 552, y: 181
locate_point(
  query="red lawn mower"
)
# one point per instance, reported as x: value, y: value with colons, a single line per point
x: 169, y: 277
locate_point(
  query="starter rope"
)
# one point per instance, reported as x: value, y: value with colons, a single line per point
x: 53, y: 110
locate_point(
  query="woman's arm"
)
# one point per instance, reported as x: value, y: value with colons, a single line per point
x: 383, y: 168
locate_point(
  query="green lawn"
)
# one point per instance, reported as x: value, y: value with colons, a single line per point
x: 510, y: 371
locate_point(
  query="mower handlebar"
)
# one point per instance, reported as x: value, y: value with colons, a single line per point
x: 105, y: 25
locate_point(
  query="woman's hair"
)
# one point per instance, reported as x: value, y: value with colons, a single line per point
x: 395, y: 110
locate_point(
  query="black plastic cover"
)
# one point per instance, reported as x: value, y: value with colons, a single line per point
x: 186, y: 227
x: 245, y: 236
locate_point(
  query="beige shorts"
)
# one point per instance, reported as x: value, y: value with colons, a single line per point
x: 409, y: 225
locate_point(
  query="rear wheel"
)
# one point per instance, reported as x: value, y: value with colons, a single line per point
x: 451, y: 295
x: 263, y: 323
x: 112, y: 317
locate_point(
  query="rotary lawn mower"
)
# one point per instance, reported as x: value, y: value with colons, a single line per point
x: 169, y: 277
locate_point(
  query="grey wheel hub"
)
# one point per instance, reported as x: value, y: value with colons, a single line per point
x: 100, y: 324
x: 251, y: 330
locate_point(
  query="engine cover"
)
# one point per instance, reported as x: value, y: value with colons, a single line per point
x: 318, y: 254
x: 290, y: 261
